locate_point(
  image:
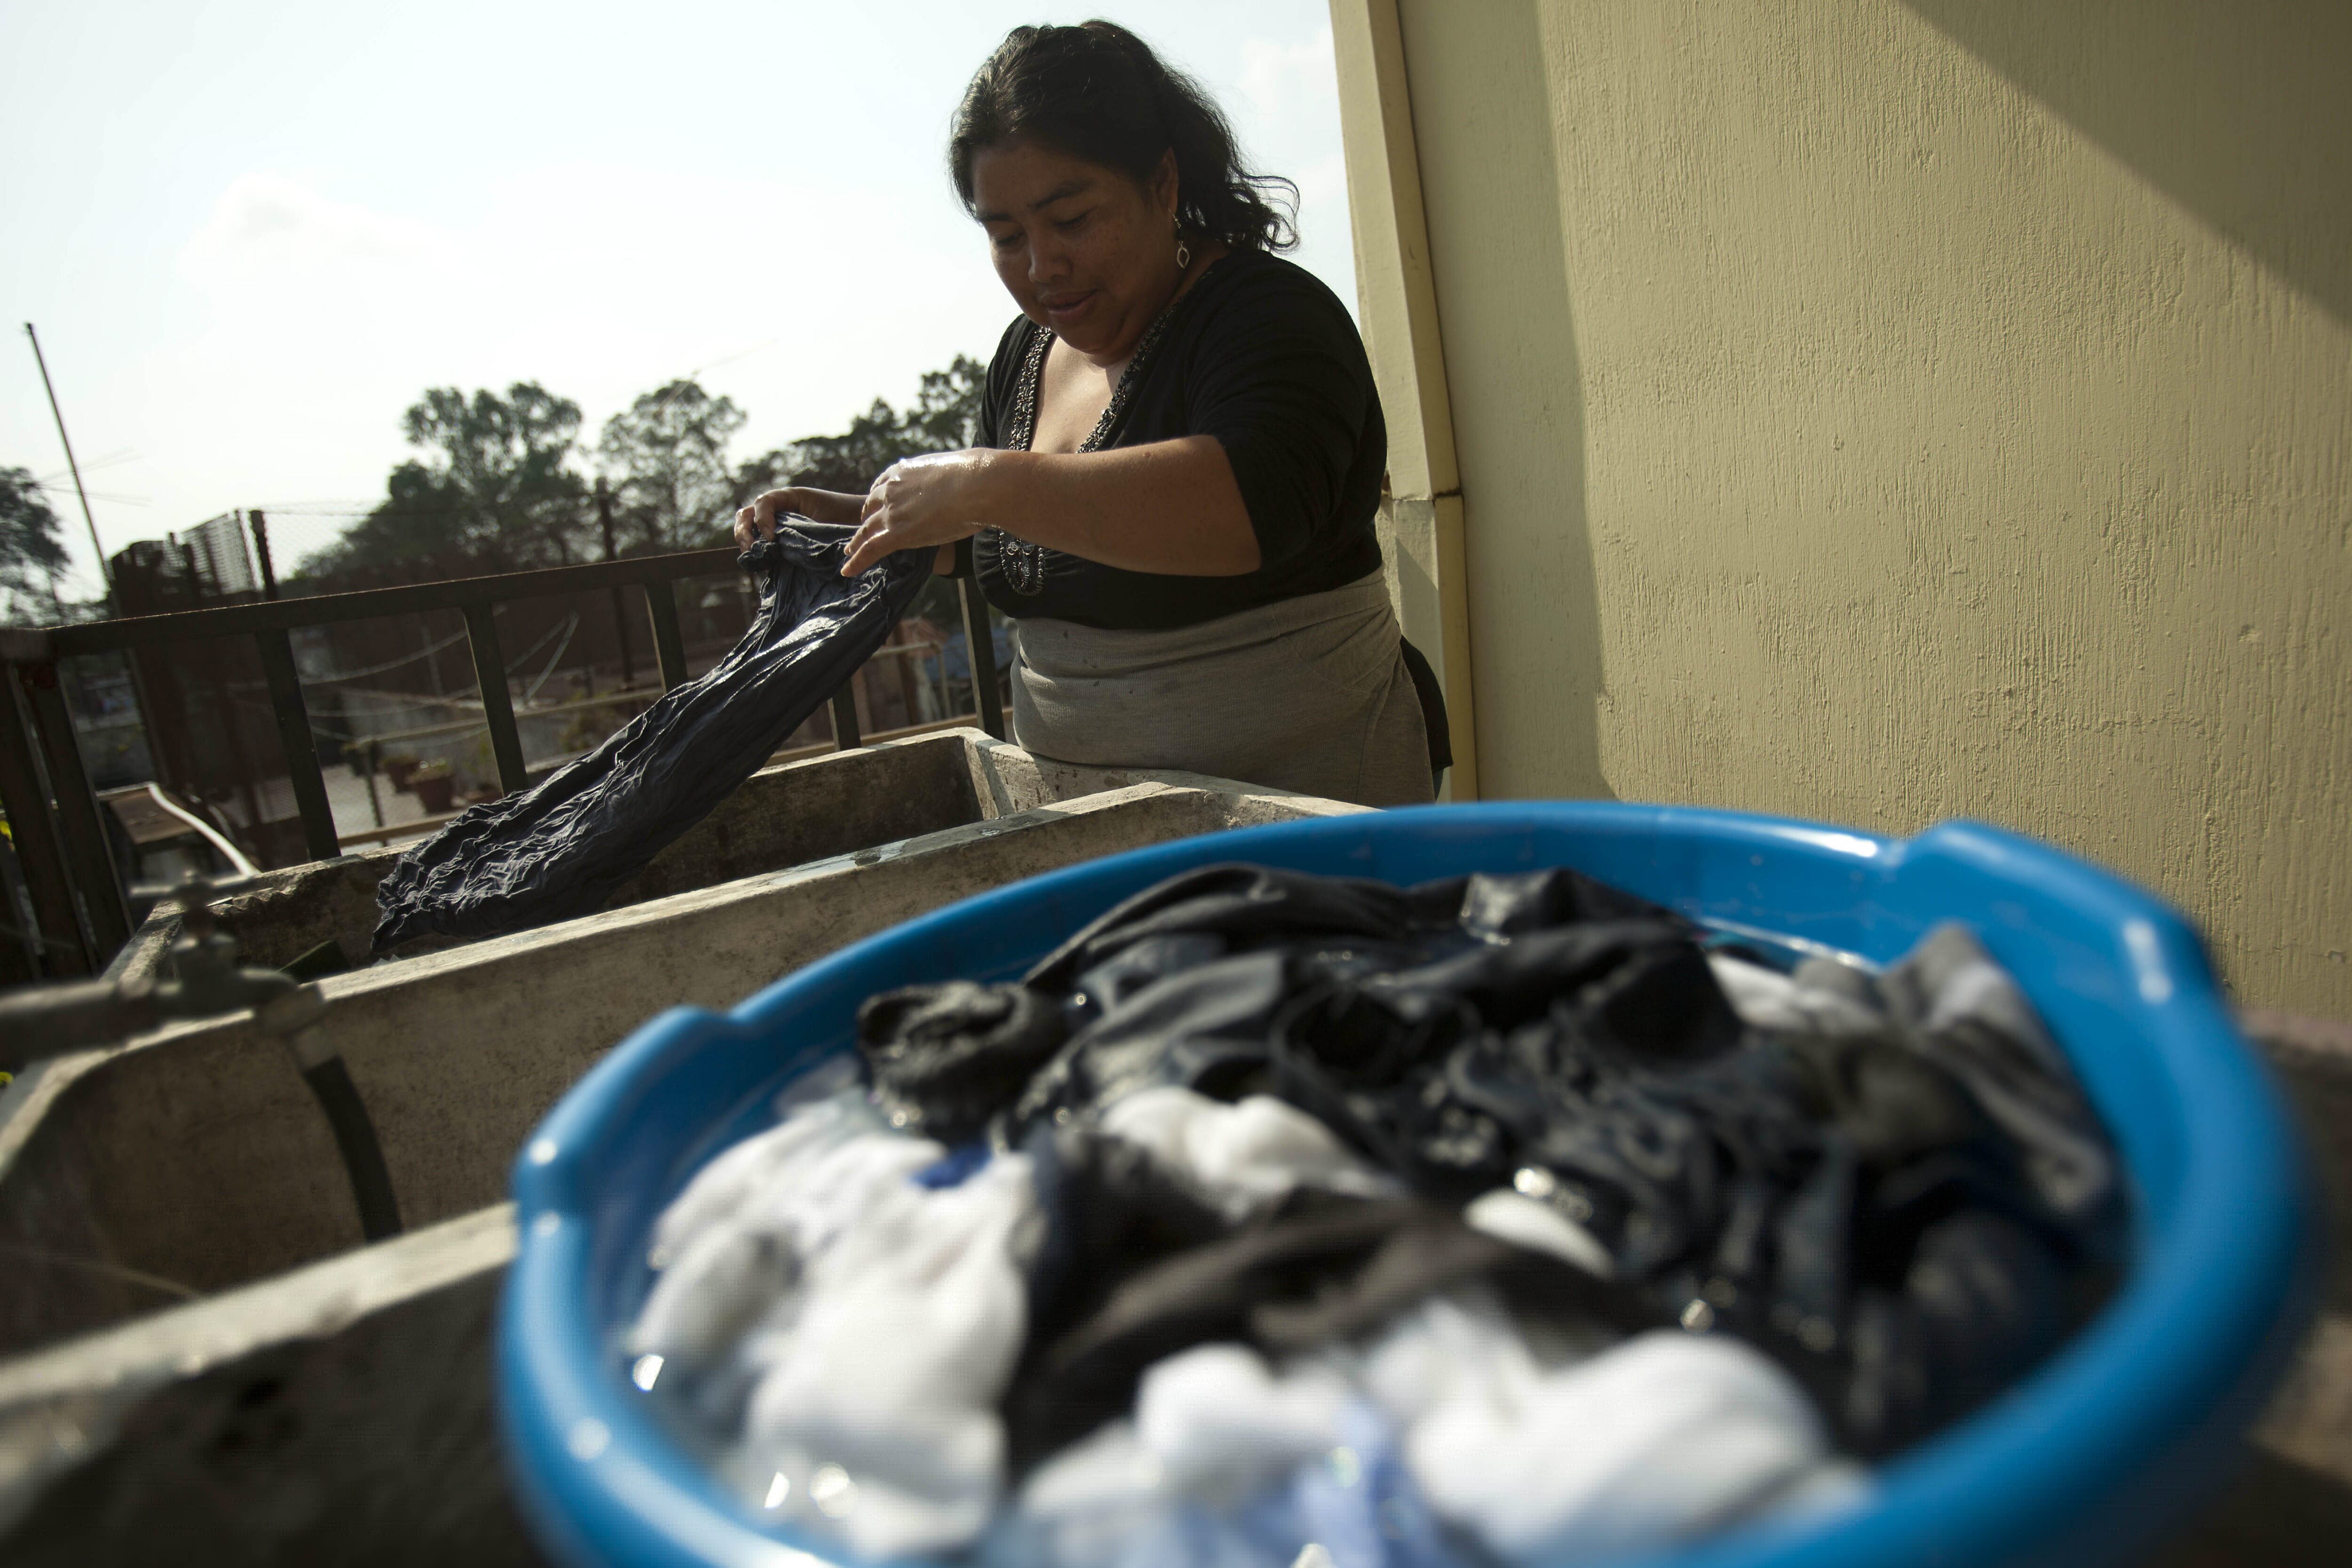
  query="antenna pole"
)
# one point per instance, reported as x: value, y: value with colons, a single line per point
x: 54, y: 413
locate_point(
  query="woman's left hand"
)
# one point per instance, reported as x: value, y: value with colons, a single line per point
x: 931, y: 500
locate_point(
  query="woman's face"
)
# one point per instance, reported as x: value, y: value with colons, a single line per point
x: 1082, y: 249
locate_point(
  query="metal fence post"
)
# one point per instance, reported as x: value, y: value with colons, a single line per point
x: 669, y: 643
x: 498, y: 704
x: 33, y: 828
x: 980, y: 642
x: 81, y: 816
x: 276, y: 648
x: 845, y: 733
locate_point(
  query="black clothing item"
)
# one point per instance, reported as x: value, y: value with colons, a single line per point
x: 1242, y: 906
x: 1135, y: 1268
x: 1996, y: 1046
x: 945, y: 1057
x: 1204, y: 1028
x: 1433, y: 723
x: 559, y: 849
x: 1907, y: 1204
x: 1891, y: 1105
x: 1640, y: 985
x: 1240, y: 979
x: 1805, y: 1189
x: 1263, y: 357
x: 1236, y: 906
x: 1981, y: 1303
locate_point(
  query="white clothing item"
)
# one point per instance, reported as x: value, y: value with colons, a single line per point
x: 1837, y: 1485
x: 753, y: 1171
x: 1459, y: 1346
x: 1662, y: 1437
x: 1088, y: 1506
x: 731, y: 1244
x: 1222, y: 1425
x: 867, y: 1326
x: 908, y: 1329
x: 1215, y: 1427
x: 1250, y: 1153
x: 823, y: 1202
x: 864, y: 1325
x: 705, y: 1302
x: 1213, y: 1424
x: 1523, y: 1221
x: 1107, y: 1471
x: 1643, y: 1444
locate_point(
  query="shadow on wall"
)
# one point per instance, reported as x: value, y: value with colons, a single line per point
x: 2235, y: 110
x: 1517, y: 389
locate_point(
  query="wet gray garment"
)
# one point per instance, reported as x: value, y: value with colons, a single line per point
x: 1308, y: 694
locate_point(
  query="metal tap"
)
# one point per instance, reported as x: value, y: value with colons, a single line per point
x: 206, y: 979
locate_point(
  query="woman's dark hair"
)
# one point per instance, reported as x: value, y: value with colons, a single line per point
x: 1097, y: 91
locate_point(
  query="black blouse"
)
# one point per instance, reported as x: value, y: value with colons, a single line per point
x: 1263, y: 357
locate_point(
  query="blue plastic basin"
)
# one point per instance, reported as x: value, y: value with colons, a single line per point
x: 2082, y: 1463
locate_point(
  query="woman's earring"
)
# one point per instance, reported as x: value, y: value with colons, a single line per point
x: 1184, y: 254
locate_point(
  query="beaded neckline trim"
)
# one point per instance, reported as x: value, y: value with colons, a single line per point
x: 1023, y: 563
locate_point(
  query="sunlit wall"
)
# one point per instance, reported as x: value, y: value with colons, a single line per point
x: 1889, y: 412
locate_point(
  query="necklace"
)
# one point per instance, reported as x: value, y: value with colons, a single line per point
x: 1023, y: 563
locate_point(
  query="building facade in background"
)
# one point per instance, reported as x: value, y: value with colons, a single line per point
x: 221, y: 557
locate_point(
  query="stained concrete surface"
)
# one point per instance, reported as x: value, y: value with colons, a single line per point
x: 374, y: 1446
x: 195, y: 1159
x: 2276, y: 1514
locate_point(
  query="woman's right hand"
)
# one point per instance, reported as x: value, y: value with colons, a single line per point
x: 758, y: 521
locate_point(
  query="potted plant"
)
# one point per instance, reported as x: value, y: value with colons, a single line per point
x: 400, y: 767
x: 435, y: 785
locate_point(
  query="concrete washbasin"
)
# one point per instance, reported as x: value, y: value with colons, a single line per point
x: 195, y: 1159
x: 784, y: 814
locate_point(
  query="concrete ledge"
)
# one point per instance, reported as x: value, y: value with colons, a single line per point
x: 194, y: 1160
x: 340, y: 1413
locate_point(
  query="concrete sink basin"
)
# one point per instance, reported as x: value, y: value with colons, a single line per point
x: 196, y: 1159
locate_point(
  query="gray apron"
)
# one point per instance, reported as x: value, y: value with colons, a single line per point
x: 1309, y: 694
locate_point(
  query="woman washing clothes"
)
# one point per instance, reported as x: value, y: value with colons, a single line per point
x: 1181, y: 446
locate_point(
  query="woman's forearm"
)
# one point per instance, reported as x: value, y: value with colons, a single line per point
x: 822, y: 506
x: 758, y: 521
x: 1170, y: 507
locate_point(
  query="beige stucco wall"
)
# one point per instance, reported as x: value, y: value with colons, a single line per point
x: 1884, y: 412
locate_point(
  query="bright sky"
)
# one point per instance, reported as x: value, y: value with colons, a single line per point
x: 251, y: 232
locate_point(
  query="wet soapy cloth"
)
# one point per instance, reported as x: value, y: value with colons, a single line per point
x: 559, y: 849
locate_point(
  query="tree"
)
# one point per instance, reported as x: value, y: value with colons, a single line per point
x: 666, y: 456
x: 944, y: 416
x: 496, y: 492
x: 495, y: 489
x: 32, y: 546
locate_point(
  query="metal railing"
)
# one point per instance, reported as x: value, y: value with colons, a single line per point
x: 59, y: 837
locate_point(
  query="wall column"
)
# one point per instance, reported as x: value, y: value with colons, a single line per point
x: 1421, y: 518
